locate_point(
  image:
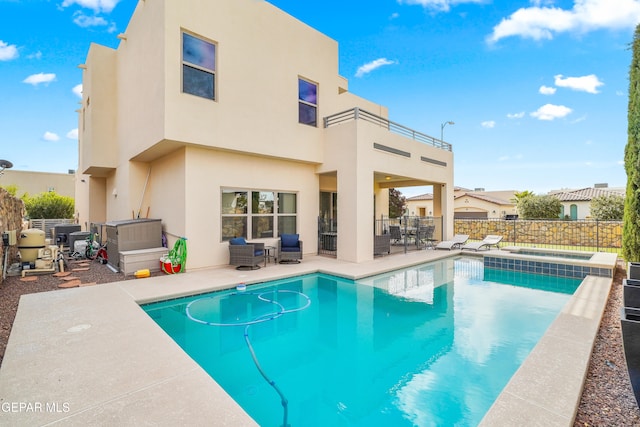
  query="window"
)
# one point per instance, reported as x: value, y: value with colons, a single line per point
x: 257, y: 214
x: 307, y: 102
x: 198, y: 67
x: 287, y: 210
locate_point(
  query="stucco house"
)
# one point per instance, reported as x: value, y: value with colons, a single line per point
x: 478, y: 204
x: 229, y: 118
x: 576, y: 204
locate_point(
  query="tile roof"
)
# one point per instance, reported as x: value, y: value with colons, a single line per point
x: 585, y: 194
x: 427, y: 196
x: 487, y: 198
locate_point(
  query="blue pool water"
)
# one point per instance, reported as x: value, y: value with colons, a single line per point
x: 430, y: 345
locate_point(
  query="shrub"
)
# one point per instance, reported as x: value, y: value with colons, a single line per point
x: 49, y: 205
x: 607, y: 207
x: 539, y: 207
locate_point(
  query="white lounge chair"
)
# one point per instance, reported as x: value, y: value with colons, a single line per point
x: 455, y: 243
x: 486, y: 243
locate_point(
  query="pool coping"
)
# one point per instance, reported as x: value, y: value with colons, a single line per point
x: 90, y: 355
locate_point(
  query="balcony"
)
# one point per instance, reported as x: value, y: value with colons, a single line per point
x: 359, y: 114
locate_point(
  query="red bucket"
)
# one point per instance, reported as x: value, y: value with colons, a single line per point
x: 168, y: 267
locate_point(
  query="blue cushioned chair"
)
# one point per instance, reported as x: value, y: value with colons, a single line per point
x: 245, y: 254
x: 289, y: 248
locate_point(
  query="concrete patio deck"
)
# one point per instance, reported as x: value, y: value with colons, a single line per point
x: 91, y: 356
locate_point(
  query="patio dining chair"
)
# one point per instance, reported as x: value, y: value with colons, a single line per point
x: 396, y: 235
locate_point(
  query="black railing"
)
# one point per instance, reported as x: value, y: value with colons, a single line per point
x: 360, y: 114
x: 327, y: 237
x: 410, y: 233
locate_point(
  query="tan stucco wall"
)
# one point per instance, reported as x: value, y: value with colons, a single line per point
x: 34, y: 183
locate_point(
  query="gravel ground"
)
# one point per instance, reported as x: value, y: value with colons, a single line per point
x: 607, y: 398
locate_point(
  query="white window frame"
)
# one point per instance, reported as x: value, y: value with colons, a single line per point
x: 249, y: 216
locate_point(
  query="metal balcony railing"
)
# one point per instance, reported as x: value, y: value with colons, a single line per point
x: 360, y: 114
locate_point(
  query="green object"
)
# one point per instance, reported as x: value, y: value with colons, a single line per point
x: 177, y: 256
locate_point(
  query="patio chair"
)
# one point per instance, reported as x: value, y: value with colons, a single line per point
x: 382, y: 244
x: 455, y: 243
x: 289, y: 248
x: 396, y: 235
x: 424, y: 236
x: 486, y: 243
x: 245, y: 254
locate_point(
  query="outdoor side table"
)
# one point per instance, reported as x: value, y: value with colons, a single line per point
x: 270, y: 254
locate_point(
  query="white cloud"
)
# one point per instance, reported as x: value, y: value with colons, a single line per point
x: 516, y: 115
x: 620, y: 93
x: 77, y: 89
x: 84, y: 21
x: 72, y: 134
x: 37, y: 55
x: 50, y: 136
x: 394, y: 15
x: 373, y: 65
x: 503, y: 158
x: 489, y: 124
x: 589, y: 83
x: 542, y: 22
x: 95, y: 5
x: 36, y: 79
x: 8, y: 51
x: 546, y: 90
x: 438, y: 5
x: 551, y: 112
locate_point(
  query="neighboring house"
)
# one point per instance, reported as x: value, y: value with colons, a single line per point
x: 576, y: 204
x: 228, y: 118
x: 468, y: 204
x: 485, y: 204
x: 33, y: 183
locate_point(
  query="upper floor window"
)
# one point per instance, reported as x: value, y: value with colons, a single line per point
x: 307, y: 102
x: 198, y: 67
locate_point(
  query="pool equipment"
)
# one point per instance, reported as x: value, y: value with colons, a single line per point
x: 281, y: 310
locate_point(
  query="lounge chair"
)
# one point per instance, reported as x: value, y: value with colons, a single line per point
x: 486, y: 243
x: 455, y: 243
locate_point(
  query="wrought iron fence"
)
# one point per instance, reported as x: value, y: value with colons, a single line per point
x: 582, y: 235
x: 410, y: 232
x: 327, y: 236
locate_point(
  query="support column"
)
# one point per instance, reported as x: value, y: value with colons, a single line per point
x: 443, y: 207
x: 355, y: 213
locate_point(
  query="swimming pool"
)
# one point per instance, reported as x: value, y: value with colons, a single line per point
x: 429, y: 345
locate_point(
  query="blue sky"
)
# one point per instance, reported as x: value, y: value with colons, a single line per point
x: 537, y: 89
